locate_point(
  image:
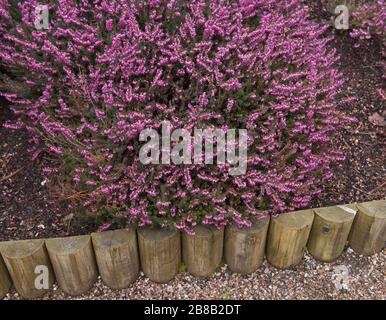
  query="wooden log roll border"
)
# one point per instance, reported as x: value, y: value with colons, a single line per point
x: 330, y: 232
x: 117, y: 257
x: 5, y: 279
x: 368, y: 234
x: 287, y: 238
x: 75, y: 262
x: 203, y: 253
x: 160, y: 252
x: 244, y: 249
x: 24, y: 259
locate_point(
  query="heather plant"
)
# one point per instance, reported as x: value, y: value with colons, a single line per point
x: 368, y: 22
x: 105, y: 70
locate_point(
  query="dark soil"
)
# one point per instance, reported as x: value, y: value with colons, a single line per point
x: 361, y: 177
x: 28, y: 210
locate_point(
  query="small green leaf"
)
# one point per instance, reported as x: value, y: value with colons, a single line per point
x: 182, y: 267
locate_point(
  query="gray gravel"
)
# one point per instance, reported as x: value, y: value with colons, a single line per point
x: 309, y: 280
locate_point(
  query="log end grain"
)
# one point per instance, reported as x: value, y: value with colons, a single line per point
x: 67, y: 245
x: 297, y: 220
x: 157, y: 234
x: 21, y: 248
x: 335, y: 214
x: 376, y: 209
x: 113, y: 239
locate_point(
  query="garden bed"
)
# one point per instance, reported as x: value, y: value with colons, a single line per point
x: 29, y: 209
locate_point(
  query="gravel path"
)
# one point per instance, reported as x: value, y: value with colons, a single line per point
x: 309, y: 280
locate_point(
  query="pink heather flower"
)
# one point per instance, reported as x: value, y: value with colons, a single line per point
x: 104, y: 227
x: 163, y: 203
x: 53, y: 149
x: 109, y: 25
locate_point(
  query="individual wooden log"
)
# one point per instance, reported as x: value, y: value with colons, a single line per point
x: 202, y: 253
x: 160, y: 253
x: 244, y: 248
x: 5, y: 280
x: 74, y: 263
x: 330, y: 232
x: 287, y: 238
x: 22, y: 259
x: 368, y: 233
x: 117, y: 257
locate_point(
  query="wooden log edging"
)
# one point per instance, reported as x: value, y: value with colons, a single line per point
x: 368, y: 233
x: 117, y: 257
x: 330, y: 232
x: 120, y: 254
x: 5, y: 279
x: 244, y: 249
x: 287, y: 238
x: 22, y: 258
x: 160, y: 252
x: 203, y: 252
x: 74, y: 263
